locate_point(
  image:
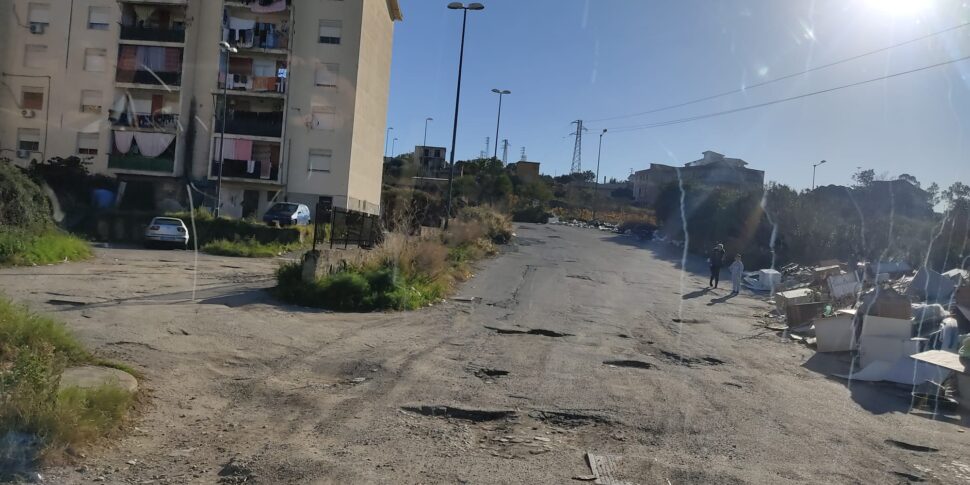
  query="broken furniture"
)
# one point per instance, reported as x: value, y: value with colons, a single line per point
x: 793, y: 297
x: 928, y: 285
x: 802, y: 313
x: 952, y: 362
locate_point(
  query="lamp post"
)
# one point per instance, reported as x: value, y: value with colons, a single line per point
x: 228, y: 50
x: 426, y: 120
x: 386, y: 138
x: 596, y: 190
x: 815, y: 166
x: 500, y: 93
x: 454, y: 129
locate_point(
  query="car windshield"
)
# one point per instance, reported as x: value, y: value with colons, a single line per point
x: 475, y: 242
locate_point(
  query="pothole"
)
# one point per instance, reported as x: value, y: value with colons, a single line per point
x: 579, y: 277
x: 689, y: 320
x: 489, y: 374
x: 690, y: 361
x: 570, y: 419
x: 535, y: 331
x: 474, y: 415
x: 733, y: 384
x: 636, y: 364
x: 910, y: 477
x: 911, y: 447
x: 622, y: 335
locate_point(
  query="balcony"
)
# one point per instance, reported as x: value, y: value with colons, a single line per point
x: 269, y: 124
x: 152, y: 34
x: 141, y: 163
x: 148, y: 121
x: 239, y: 169
x: 157, y: 78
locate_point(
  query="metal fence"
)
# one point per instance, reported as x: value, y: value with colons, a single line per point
x: 346, y: 228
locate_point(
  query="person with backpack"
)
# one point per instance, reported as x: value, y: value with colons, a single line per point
x: 716, y: 260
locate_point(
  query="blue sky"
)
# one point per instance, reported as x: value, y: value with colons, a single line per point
x: 592, y: 59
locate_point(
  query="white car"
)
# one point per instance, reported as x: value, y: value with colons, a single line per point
x: 167, y: 231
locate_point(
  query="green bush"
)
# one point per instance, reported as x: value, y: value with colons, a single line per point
x: 23, y: 203
x: 209, y: 229
x: 246, y: 248
x: 531, y: 214
x: 21, y: 247
x: 357, y: 289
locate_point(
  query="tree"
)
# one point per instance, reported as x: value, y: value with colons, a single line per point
x: 864, y: 178
x: 934, y: 193
x: 909, y: 178
x: 959, y: 191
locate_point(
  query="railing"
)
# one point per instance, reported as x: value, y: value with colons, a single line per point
x: 346, y: 227
x: 149, y: 77
x: 138, y: 162
x: 240, y: 169
x: 152, y: 34
x: 253, y: 124
x: 156, y: 121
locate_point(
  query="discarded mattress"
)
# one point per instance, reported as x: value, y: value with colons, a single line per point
x: 903, y: 371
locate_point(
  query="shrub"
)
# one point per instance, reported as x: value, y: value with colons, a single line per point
x: 462, y: 232
x: 531, y: 214
x: 497, y: 226
x: 23, y: 203
x: 209, y: 229
x: 20, y: 247
x: 246, y: 248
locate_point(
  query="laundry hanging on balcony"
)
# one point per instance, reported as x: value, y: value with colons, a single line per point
x: 244, y: 149
x: 227, y: 150
x: 123, y: 141
x: 153, y: 144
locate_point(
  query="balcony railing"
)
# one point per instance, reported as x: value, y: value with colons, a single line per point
x: 152, y: 34
x: 138, y: 162
x: 149, y: 121
x: 159, y: 78
x: 253, y: 124
x: 240, y: 169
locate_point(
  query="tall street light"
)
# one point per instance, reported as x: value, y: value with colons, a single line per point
x: 228, y: 50
x: 387, y: 138
x: 596, y: 193
x: 814, y: 166
x: 500, y: 93
x: 426, y: 120
x: 454, y: 129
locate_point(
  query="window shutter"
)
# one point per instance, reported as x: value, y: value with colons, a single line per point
x: 99, y: 15
x: 319, y: 160
x: 39, y: 13
x: 95, y: 60
x: 327, y: 75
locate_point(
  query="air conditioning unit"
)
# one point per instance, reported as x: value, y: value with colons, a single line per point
x: 37, y: 28
x: 90, y: 108
x: 23, y: 154
x: 28, y: 113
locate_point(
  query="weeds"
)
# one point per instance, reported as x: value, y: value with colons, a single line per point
x: 24, y: 247
x: 247, y: 248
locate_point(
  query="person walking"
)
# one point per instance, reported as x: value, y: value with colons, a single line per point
x: 737, y: 269
x: 715, y: 260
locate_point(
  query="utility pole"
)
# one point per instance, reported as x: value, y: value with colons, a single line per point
x: 523, y: 155
x: 505, y: 151
x: 487, y: 145
x: 577, y: 165
x: 596, y: 190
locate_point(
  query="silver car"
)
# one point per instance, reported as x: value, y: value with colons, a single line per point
x: 167, y: 231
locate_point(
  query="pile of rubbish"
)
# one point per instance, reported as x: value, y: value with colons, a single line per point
x: 895, y: 325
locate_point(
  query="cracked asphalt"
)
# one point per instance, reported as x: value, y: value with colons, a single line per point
x: 575, y: 341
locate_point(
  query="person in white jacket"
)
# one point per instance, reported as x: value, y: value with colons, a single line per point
x: 737, y: 269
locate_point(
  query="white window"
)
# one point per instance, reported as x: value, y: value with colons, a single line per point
x: 95, y: 60
x: 35, y: 56
x: 330, y: 31
x: 39, y: 13
x: 324, y: 118
x: 87, y: 143
x: 327, y: 75
x: 91, y: 101
x: 99, y: 18
x: 319, y: 160
x: 28, y: 139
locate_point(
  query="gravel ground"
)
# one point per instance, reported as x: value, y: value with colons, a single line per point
x: 577, y: 341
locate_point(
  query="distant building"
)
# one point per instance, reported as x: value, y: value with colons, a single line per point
x: 714, y: 170
x: 431, y: 161
x: 526, y: 171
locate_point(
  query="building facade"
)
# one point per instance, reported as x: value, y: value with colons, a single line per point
x: 712, y: 171
x: 136, y: 88
x: 430, y: 161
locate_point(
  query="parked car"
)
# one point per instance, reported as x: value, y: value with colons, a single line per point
x: 287, y: 213
x: 168, y: 231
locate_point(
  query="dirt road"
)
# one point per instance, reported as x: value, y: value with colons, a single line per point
x: 513, y: 387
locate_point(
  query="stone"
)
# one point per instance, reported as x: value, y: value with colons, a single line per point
x: 89, y: 377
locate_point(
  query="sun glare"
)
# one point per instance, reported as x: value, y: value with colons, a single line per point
x: 900, y: 7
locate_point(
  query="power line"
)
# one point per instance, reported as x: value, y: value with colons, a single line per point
x: 782, y: 100
x: 782, y: 78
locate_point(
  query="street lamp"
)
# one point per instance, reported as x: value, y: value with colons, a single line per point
x: 228, y: 50
x: 386, y: 138
x: 393, y: 142
x: 814, y: 166
x: 500, y: 93
x: 426, y: 120
x: 596, y: 192
x: 454, y: 129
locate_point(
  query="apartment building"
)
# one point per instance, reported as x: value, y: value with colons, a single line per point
x: 142, y: 89
x: 713, y: 170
